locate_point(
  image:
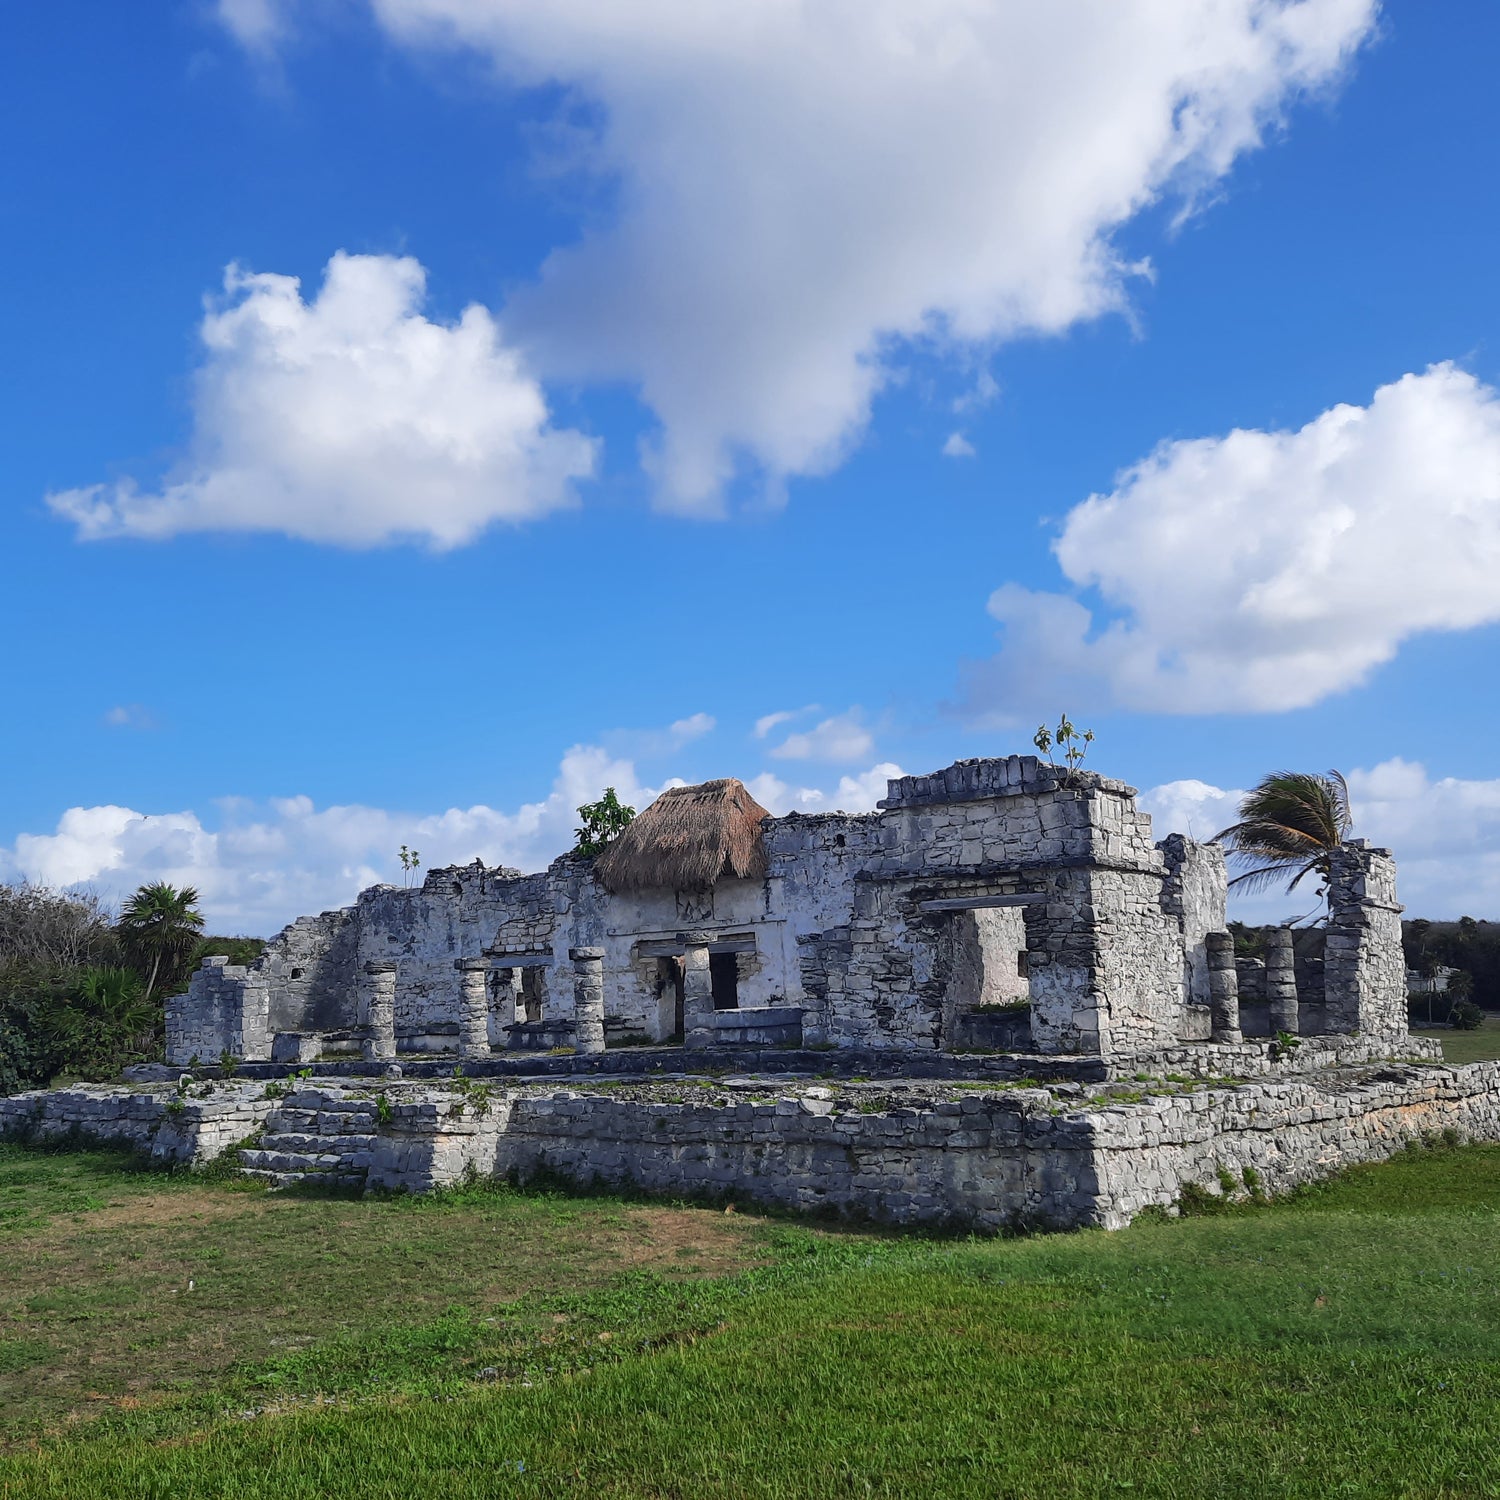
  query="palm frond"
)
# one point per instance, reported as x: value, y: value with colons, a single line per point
x: 1290, y: 823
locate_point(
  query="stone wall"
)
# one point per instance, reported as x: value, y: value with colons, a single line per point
x: 226, y: 1010
x: 170, y: 1128
x: 1364, y: 969
x: 903, y: 1153
x: 887, y: 929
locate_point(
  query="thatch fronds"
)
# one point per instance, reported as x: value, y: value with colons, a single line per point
x: 688, y: 839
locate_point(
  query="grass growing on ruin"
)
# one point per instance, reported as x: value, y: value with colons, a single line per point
x: 1344, y: 1342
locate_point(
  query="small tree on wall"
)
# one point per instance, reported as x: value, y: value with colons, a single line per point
x: 603, y: 822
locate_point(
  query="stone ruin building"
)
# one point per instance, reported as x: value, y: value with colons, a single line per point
x: 1002, y: 905
x: 996, y: 1001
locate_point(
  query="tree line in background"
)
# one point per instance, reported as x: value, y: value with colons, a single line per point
x: 82, y: 989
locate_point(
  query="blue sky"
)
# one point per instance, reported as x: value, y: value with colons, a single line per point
x: 795, y: 334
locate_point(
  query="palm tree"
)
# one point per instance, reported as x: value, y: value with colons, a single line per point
x: 160, y: 923
x: 1290, y: 824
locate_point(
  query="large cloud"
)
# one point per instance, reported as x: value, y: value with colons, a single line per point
x: 1266, y: 570
x: 798, y: 184
x: 351, y: 419
x: 262, y: 864
x: 1445, y: 835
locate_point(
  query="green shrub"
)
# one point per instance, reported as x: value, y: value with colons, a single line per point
x: 1466, y: 1016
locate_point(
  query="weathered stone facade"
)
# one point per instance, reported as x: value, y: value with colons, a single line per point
x: 985, y: 1157
x: 997, y: 903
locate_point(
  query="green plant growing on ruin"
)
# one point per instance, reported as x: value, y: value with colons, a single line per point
x: 411, y: 862
x: 229, y: 1064
x: 384, y: 1114
x: 1072, y: 742
x: 602, y: 823
x: 274, y: 1089
x: 1285, y: 1044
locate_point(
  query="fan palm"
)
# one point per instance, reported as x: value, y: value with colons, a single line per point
x: 1290, y: 824
x: 160, y: 925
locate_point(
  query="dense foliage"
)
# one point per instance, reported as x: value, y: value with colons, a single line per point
x: 81, y: 995
x: 603, y: 822
x: 1470, y: 946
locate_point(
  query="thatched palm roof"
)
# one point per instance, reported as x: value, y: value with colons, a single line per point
x: 688, y: 839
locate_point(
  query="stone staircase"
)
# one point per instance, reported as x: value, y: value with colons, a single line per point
x: 314, y: 1139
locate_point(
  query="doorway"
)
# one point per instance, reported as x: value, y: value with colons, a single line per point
x: 724, y: 977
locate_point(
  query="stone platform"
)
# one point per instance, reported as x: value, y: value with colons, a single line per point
x: 981, y: 1153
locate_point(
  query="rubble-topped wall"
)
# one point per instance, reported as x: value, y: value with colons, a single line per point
x: 904, y: 1153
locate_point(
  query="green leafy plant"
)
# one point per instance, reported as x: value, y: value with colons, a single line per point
x: 1285, y: 1044
x: 383, y: 1111
x: 1071, y: 741
x: 229, y: 1064
x: 602, y: 823
x: 411, y: 862
x: 1466, y: 1016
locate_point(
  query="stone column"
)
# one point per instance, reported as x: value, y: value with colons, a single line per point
x: 1223, y: 987
x: 380, y: 1011
x: 1364, y: 970
x: 588, y: 998
x: 697, y: 991
x: 473, y: 1007
x: 1281, y: 980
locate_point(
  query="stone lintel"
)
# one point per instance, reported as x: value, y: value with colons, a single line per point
x: 977, y: 903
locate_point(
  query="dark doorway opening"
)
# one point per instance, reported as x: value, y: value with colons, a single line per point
x: 670, y: 976
x: 724, y: 976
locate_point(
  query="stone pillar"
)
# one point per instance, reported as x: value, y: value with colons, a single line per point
x: 1281, y: 980
x: 588, y: 998
x: 1223, y: 987
x: 1364, y: 970
x: 697, y: 991
x: 473, y: 1007
x: 380, y: 1011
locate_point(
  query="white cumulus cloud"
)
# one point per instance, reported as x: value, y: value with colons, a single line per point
x: 843, y: 737
x: 958, y: 446
x: 853, y: 794
x: 1266, y: 570
x: 352, y: 419
x: 767, y: 722
x: 1445, y: 835
x: 799, y: 187
x: 259, y: 864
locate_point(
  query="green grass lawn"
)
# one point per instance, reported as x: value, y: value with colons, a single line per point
x: 1482, y: 1045
x: 1343, y: 1342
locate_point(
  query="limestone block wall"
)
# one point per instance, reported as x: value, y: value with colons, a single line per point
x: 171, y: 1129
x: 988, y: 1162
x: 1286, y: 1131
x: 1196, y: 893
x: 226, y: 1009
x: 1364, y: 969
x: 1107, y: 957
